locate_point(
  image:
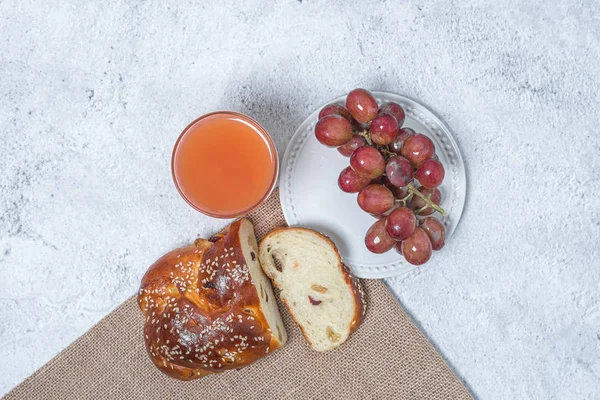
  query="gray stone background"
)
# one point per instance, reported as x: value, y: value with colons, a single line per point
x: 94, y: 94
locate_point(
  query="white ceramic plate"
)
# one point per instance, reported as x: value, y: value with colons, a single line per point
x: 310, y: 195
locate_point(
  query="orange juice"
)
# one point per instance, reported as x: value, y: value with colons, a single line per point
x: 224, y: 164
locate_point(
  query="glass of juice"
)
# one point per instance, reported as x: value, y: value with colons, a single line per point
x: 225, y: 164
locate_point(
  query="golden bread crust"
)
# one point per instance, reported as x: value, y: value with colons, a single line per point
x: 202, y: 310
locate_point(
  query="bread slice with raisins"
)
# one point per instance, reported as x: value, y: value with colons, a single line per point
x: 321, y: 294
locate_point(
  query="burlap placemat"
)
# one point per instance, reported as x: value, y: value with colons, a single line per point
x: 387, y: 358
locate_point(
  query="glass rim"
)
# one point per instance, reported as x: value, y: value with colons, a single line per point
x: 270, y: 143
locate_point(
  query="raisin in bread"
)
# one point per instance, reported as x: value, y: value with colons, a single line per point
x: 208, y: 307
x: 323, y: 297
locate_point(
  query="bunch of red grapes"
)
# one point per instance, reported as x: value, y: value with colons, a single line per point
x: 385, y: 159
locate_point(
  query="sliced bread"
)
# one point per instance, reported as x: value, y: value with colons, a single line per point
x: 321, y: 294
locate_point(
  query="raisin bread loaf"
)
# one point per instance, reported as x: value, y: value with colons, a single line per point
x: 209, y: 307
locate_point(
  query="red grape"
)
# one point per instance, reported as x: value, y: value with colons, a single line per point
x: 354, y: 143
x: 401, y: 223
x: 384, y: 129
x: 417, y: 247
x: 417, y: 149
x: 417, y: 203
x: 431, y: 174
x: 399, y: 171
x: 403, y: 134
x: 377, y: 240
x: 351, y: 182
x: 398, y: 247
x: 335, y: 109
x: 375, y: 199
x: 367, y: 162
x: 436, y: 232
x: 333, y: 130
x: 398, y: 193
x: 362, y: 105
x: 394, y: 109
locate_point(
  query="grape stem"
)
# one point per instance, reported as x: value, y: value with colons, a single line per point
x: 405, y: 199
x: 366, y: 135
x: 420, y: 210
x: 385, y: 152
x: 412, y: 189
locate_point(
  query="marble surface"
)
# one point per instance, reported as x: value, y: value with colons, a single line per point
x: 94, y: 94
